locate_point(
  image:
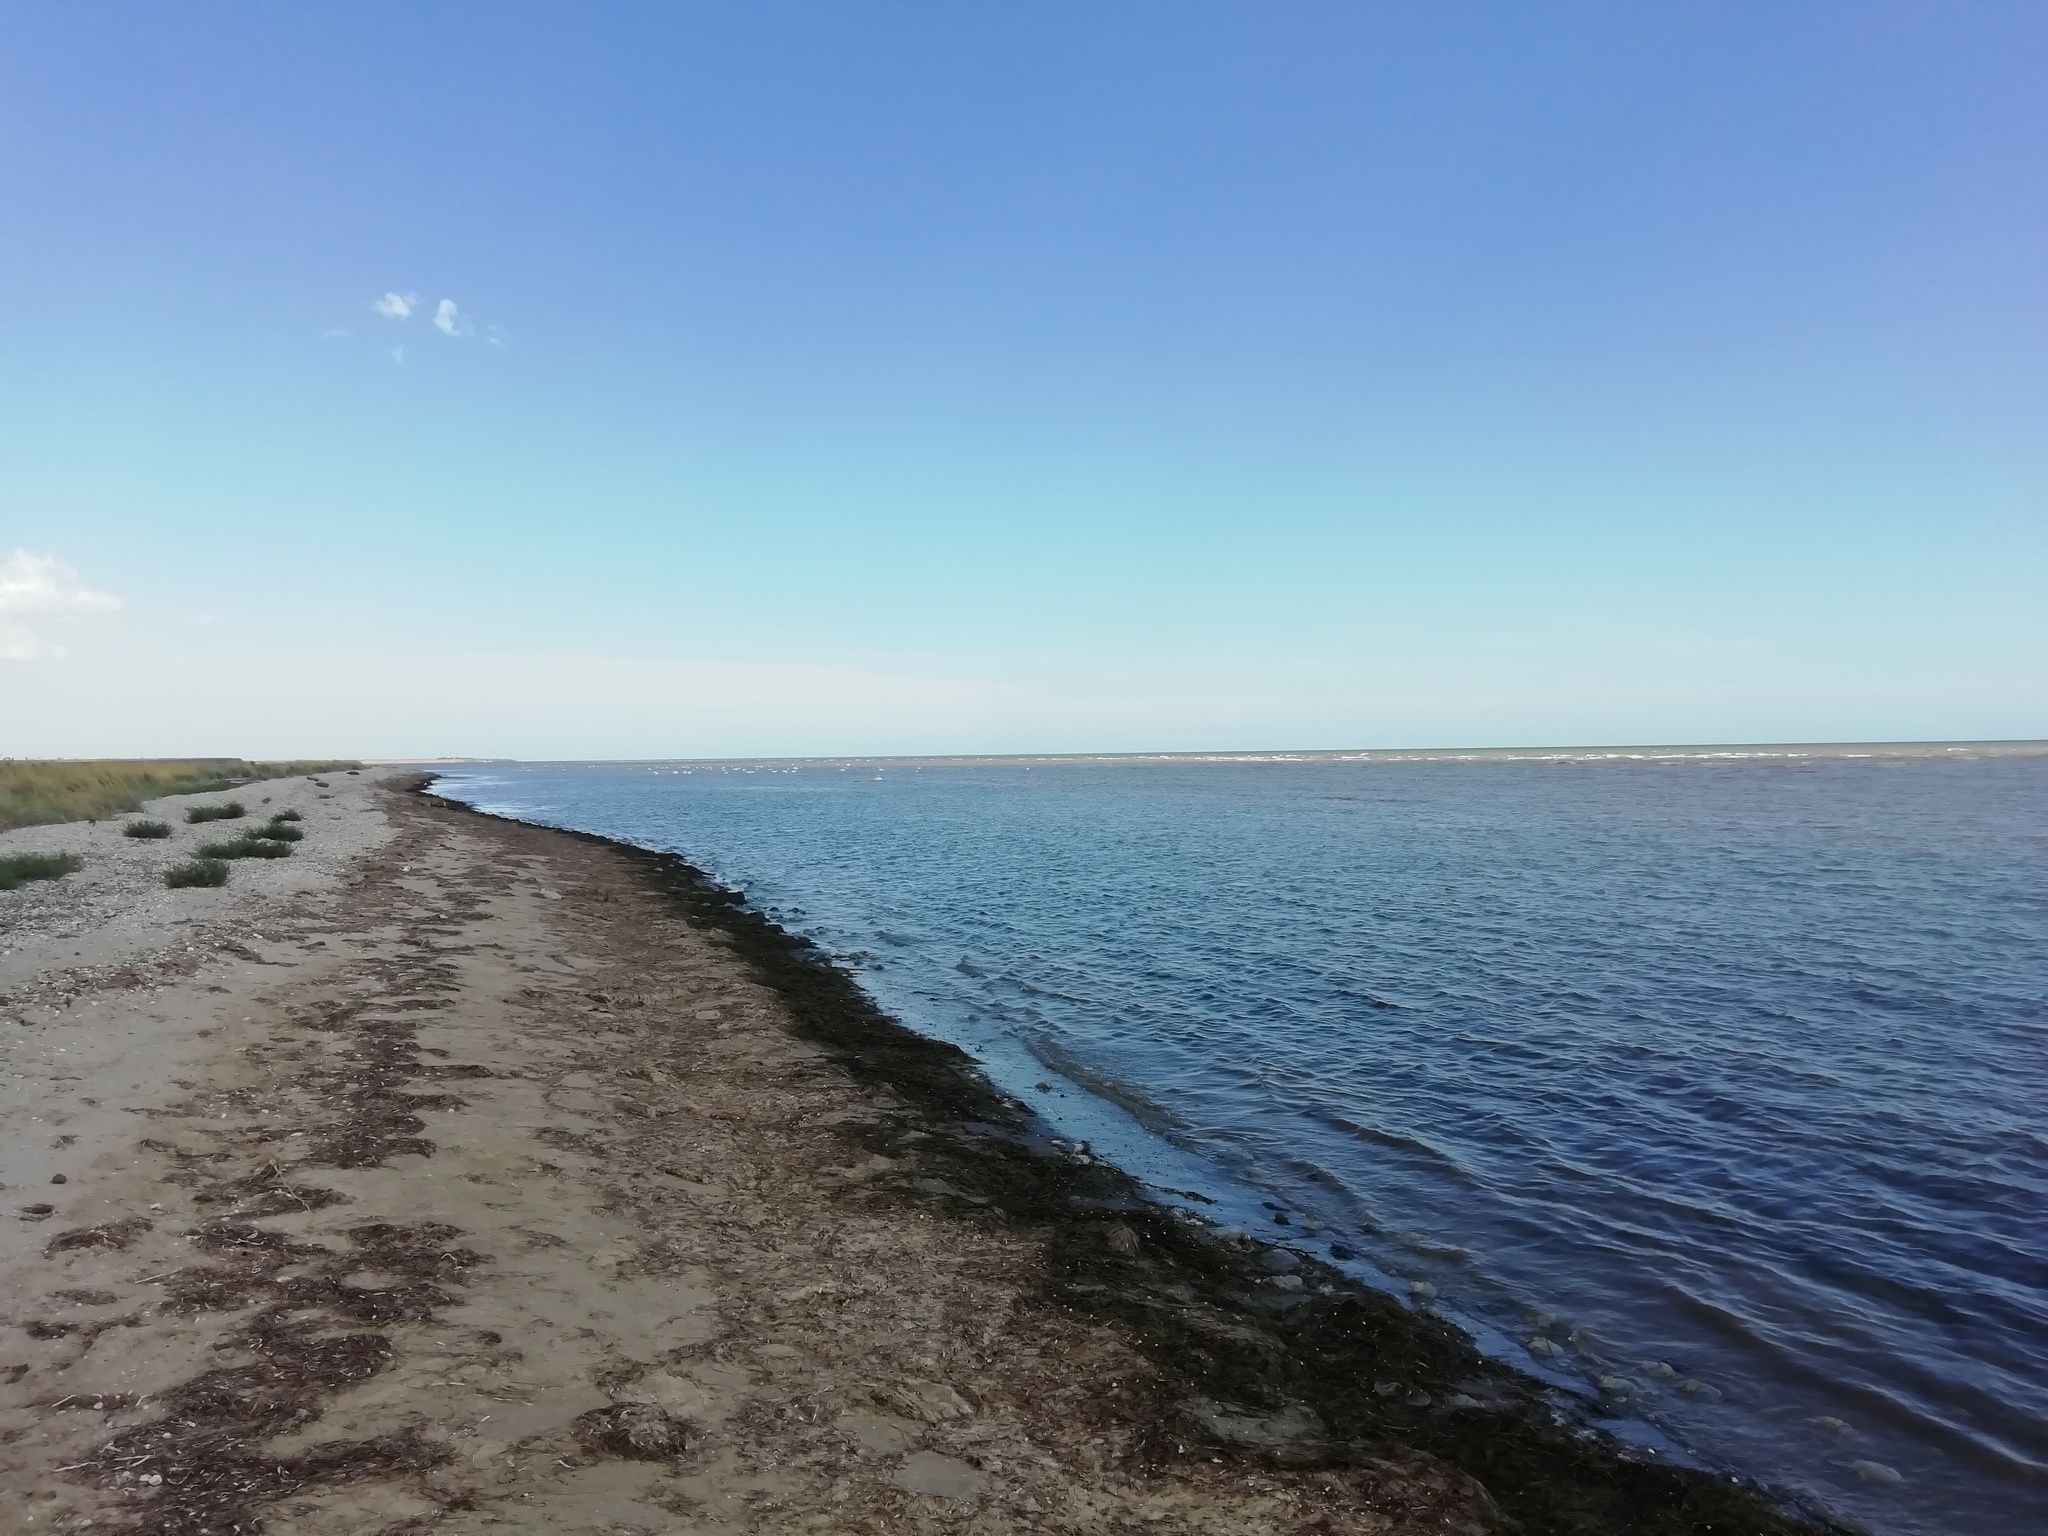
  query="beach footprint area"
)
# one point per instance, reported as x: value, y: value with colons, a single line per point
x: 501, y: 1179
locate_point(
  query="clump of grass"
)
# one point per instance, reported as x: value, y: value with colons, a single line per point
x: 20, y: 868
x: 196, y: 872
x: 146, y: 829
x: 227, y: 812
x: 248, y: 846
x: 24, y: 867
x: 278, y: 832
x: 34, y: 794
x: 287, y: 816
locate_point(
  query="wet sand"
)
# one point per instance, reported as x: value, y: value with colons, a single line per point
x: 489, y: 1178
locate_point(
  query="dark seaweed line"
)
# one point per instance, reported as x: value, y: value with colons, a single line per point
x: 1193, y: 1301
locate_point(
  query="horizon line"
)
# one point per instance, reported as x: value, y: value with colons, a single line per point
x: 2017, y: 746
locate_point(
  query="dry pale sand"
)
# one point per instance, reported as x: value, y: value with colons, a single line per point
x: 443, y: 1178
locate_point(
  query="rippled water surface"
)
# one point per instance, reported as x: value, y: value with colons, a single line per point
x: 1726, y: 1075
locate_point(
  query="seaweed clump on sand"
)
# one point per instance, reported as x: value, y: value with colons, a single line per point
x: 1261, y: 1353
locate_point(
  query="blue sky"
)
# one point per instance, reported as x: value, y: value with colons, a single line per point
x: 968, y: 377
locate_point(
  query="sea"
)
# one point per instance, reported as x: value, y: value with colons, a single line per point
x: 1708, y: 1084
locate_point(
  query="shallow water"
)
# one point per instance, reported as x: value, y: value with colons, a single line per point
x: 1723, y: 1074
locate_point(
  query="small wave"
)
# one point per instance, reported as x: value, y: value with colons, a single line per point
x: 1148, y: 1112
x: 1397, y: 1141
x: 1430, y: 1247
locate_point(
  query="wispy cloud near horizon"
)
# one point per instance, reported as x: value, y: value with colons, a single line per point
x: 41, y: 586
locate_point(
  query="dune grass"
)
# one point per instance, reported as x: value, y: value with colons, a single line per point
x: 247, y: 846
x: 231, y: 810
x: 36, y: 793
x: 196, y: 872
x: 21, y: 868
x: 277, y: 832
x: 287, y: 816
x: 146, y: 829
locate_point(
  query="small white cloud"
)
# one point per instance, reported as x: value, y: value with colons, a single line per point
x: 396, y: 306
x: 41, y: 586
x: 448, y: 322
x: 335, y: 333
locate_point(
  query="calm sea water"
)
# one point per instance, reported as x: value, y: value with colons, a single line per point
x: 1727, y: 1075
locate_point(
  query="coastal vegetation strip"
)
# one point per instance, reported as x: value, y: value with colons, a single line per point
x: 41, y: 793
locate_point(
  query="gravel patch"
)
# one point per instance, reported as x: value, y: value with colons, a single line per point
x: 114, y: 922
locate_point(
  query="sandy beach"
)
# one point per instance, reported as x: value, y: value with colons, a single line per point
x: 454, y: 1175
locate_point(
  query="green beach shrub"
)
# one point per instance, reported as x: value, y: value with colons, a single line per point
x: 279, y: 832
x: 248, y: 846
x: 227, y: 811
x: 196, y: 872
x: 287, y: 816
x: 20, y: 868
x: 146, y: 829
